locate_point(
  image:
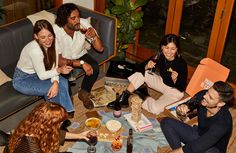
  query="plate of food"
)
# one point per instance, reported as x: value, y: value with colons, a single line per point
x: 93, y: 123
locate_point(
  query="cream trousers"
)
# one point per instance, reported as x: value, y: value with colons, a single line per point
x: 169, y: 94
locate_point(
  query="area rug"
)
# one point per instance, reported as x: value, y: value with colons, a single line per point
x: 148, y: 140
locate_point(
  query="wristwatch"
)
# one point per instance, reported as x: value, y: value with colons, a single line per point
x: 81, y: 62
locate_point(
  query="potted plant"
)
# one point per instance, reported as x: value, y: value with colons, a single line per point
x: 129, y: 18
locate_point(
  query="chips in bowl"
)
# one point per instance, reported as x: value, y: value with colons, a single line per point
x: 93, y: 123
x: 113, y: 125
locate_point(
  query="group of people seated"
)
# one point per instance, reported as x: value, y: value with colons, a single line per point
x: 45, y: 64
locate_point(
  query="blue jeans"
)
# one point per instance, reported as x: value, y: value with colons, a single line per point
x: 177, y: 132
x: 30, y: 84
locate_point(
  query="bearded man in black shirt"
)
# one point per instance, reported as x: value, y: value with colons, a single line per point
x: 214, y: 122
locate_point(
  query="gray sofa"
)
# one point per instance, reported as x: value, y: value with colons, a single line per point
x: 14, y: 36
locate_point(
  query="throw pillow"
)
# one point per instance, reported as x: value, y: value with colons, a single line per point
x: 3, y: 78
x: 50, y: 17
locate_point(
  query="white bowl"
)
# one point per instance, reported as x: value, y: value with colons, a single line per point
x: 113, y: 125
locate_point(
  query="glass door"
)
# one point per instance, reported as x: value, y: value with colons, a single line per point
x: 229, y: 55
x: 195, y: 30
x: 155, y: 15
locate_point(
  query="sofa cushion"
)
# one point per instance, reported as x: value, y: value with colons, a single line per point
x: 12, y: 101
x: 3, y: 78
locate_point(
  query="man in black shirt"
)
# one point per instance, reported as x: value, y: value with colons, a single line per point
x: 214, y: 122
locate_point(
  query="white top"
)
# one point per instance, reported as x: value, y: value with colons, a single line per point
x: 68, y: 47
x: 31, y: 61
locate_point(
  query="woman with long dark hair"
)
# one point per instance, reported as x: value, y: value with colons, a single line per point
x: 37, y: 72
x: 171, y: 80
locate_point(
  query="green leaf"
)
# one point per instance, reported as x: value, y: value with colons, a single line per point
x: 125, y: 46
x: 118, y: 2
x: 137, y: 24
x: 135, y: 16
x: 138, y: 3
x: 118, y: 10
x: 107, y: 12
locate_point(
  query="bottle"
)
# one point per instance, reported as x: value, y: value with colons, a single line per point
x: 130, y: 142
x: 117, y: 107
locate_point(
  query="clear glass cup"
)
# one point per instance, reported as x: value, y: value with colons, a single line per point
x: 71, y: 77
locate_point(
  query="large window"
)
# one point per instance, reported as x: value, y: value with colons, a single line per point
x: 155, y: 14
x: 195, y: 29
x: 203, y: 26
x: 17, y: 9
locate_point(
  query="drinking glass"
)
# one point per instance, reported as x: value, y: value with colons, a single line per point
x: 154, y: 59
x: 182, y: 117
x: 92, y: 135
x: 71, y: 77
x: 83, y: 29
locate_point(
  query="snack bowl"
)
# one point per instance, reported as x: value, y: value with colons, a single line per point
x: 93, y: 123
x: 116, y: 144
x: 113, y: 125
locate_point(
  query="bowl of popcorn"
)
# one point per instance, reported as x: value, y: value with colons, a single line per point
x: 93, y: 123
x: 113, y: 125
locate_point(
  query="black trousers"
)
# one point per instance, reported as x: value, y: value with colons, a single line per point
x: 88, y: 81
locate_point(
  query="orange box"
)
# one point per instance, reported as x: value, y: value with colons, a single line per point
x: 206, y: 73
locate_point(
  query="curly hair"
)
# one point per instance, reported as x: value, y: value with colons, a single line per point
x: 43, y: 123
x: 63, y: 13
x: 49, y: 57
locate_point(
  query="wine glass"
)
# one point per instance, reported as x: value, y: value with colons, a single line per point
x: 154, y: 59
x: 71, y: 77
x: 182, y: 117
x: 92, y: 135
x: 83, y: 29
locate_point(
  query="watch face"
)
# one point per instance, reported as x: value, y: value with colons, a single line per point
x: 81, y: 62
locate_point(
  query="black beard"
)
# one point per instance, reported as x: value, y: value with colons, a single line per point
x: 72, y: 28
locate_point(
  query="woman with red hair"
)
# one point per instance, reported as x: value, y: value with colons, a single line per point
x: 40, y: 131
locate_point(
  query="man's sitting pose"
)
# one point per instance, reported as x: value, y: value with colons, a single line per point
x: 214, y: 122
x: 72, y: 43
